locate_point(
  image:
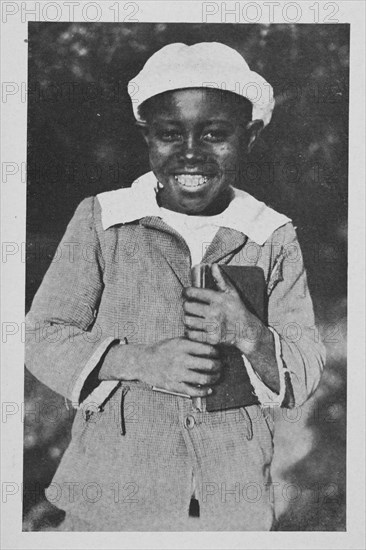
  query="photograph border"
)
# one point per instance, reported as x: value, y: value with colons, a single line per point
x: 14, y: 19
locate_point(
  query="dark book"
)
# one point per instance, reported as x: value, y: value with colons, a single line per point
x: 234, y: 388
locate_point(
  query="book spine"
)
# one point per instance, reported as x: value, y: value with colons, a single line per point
x: 198, y: 273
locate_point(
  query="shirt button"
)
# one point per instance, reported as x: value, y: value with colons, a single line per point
x: 189, y: 422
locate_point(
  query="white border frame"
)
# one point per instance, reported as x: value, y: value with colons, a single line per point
x: 13, y: 209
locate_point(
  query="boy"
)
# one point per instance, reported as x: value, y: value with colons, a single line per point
x: 122, y: 319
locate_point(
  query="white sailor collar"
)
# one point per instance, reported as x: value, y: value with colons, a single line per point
x: 245, y: 213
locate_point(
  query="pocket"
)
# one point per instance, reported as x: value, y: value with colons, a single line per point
x: 262, y: 431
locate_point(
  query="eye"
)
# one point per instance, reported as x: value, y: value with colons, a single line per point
x: 169, y: 135
x: 215, y: 136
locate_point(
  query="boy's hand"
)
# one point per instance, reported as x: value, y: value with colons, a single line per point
x: 180, y: 365
x: 220, y: 316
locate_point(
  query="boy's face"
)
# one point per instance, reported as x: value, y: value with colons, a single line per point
x: 197, y: 140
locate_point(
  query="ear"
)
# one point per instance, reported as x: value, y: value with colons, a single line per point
x: 144, y: 128
x: 253, y: 129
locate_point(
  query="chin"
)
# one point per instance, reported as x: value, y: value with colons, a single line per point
x: 194, y: 207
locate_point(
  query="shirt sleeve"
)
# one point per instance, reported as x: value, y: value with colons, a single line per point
x: 291, y: 315
x: 265, y: 395
x: 63, y: 343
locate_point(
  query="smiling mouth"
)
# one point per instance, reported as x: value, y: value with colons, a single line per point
x: 191, y: 181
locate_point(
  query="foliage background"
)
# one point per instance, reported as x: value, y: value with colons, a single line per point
x: 82, y: 140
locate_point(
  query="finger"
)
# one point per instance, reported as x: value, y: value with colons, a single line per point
x: 204, y: 295
x: 196, y: 308
x: 221, y: 280
x: 200, y: 379
x: 198, y: 349
x: 193, y: 391
x: 197, y: 323
x: 202, y: 336
x: 206, y: 366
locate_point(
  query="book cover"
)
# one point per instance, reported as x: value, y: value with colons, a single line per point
x: 234, y: 389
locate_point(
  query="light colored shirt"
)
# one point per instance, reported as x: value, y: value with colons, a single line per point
x: 197, y: 231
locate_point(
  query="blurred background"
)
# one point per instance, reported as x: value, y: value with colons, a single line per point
x: 82, y: 141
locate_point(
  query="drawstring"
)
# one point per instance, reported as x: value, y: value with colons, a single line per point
x: 102, y: 405
x: 125, y: 389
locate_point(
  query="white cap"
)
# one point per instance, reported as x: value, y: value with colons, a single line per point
x: 203, y: 65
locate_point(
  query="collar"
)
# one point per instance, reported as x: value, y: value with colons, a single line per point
x: 245, y: 213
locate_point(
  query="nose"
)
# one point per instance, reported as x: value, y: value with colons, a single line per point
x: 191, y: 150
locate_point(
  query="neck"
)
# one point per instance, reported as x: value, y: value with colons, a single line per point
x: 216, y: 207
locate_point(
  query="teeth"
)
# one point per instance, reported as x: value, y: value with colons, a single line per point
x: 188, y: 180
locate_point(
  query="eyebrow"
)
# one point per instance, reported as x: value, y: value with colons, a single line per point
x: 208, y: 121
x: 219, y: 121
